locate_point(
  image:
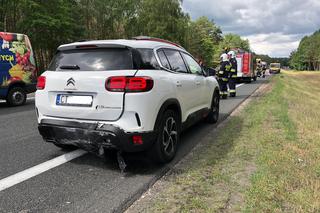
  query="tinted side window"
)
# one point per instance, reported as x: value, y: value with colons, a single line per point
x: 176, y: 61
x: 93, y: 59
x: 148, y: 59
x: 163, y: 59
x: 192, y: 64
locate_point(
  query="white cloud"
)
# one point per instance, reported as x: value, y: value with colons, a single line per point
x: 274, y: 44
x: 279, y: 23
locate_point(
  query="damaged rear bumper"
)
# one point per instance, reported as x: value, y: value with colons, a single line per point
x: 93, y: 136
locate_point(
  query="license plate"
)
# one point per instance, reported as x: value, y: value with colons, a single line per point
x: 74, y: 100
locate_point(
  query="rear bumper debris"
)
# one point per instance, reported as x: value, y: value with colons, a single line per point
x: 93, y: 136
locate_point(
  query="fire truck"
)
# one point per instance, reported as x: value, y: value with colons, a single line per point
x: 246, y: 69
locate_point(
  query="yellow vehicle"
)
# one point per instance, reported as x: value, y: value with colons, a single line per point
x: 275, y: 68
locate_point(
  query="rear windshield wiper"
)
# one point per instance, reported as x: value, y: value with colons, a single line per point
x: 69, y: 67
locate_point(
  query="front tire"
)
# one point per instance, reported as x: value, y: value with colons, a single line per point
x: 166, y: 144
x: 16, y: 96
x: 213, y: 115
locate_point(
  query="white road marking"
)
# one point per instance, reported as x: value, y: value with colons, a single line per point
x: 239, y: 85
x: 36, y: 170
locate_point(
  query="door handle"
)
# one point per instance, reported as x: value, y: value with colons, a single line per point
x: 178, y: 83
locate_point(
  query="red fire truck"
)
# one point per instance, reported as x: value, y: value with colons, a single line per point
x: 246, y: 69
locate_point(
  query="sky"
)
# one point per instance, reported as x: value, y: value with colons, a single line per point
x: 273, y: 27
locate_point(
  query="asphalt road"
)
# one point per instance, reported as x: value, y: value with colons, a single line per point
x: 87, y: 183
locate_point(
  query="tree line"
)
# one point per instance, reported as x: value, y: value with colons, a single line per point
x: 284, y: 61
x: 307, y: 56
x: 50, y: 23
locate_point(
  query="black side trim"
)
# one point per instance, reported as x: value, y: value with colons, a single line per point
x: 195, y: 117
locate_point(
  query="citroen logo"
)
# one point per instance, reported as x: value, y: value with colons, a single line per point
x: 71, y: 81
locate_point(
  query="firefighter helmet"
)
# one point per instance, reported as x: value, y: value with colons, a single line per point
x: 226, y: 49
x: 224, y: 57
x: 231, y: 54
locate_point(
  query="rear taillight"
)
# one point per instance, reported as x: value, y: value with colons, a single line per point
x: 116, y: 84
x: 41, y: 83
x: 129, y: 84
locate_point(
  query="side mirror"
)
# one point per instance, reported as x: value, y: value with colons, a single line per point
x: 211, y: 72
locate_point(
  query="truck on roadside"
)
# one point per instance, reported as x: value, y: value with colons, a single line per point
x: 275, y: 68
x: 18, y: 73
x: 246, y: 71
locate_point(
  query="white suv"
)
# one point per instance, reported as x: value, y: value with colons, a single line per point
x: 129, y: 95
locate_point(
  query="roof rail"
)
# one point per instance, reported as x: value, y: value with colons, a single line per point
x: 148, y: 38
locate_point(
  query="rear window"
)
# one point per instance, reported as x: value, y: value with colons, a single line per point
x: 148, y: 60
x: 92, y: 60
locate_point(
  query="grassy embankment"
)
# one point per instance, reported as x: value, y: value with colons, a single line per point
x: 266, y: 159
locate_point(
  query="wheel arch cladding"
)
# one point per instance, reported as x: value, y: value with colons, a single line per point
x: 216, y: 90
x: 170, y: 104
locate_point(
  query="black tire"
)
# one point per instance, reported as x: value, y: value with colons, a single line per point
x: 16, y: 96
x: 213, y: 115
x: 165, y: 147
x: 65, y: 146
x: 255, y: 78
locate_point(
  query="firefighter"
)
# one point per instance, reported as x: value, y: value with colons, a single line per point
x: 223, y: 75
x: 264, y: 69
x: 259, y: 67
x: 233, y: 73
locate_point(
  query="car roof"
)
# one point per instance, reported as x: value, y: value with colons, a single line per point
x: 121, y: 43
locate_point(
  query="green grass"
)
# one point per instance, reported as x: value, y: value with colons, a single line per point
x: 266, y: 159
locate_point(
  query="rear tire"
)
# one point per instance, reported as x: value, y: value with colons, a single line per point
x: 213, y: 115
x: 16, y: 96
x: 165, y: 147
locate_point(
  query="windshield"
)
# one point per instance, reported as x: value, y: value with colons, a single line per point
x: 92, y: 60
x: 275, y: 65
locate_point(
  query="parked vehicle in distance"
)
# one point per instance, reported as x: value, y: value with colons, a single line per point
x: 18, y: 73
x: 275, y: 68
x: 128, y: 95
x: 246, y: 71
